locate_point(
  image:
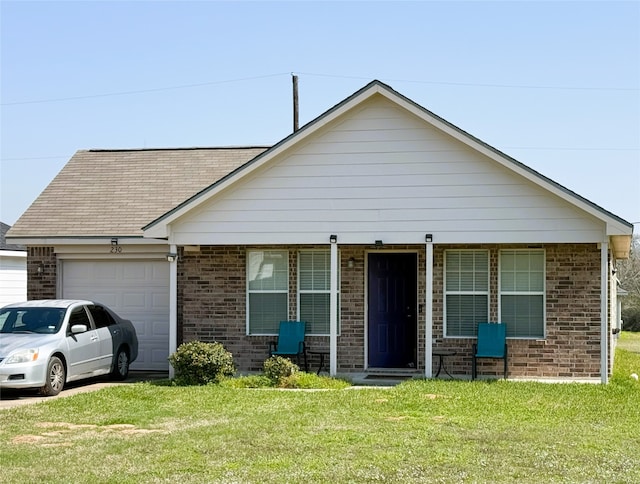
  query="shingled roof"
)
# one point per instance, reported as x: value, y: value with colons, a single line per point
x: 4, y: 228
x: 115, y: 193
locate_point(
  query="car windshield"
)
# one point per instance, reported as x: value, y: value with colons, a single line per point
x: 31, y: 320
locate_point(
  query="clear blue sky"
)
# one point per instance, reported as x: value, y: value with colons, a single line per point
x: 555, y: 85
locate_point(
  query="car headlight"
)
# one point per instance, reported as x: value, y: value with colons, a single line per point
x: 23, y: 356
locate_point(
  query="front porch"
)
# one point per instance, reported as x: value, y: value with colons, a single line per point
x: 212, y: 305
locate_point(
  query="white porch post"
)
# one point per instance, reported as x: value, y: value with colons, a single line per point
x: 604, y: 327
x: 428, y: 308
x: 333, y: 308
x: 173, y: 305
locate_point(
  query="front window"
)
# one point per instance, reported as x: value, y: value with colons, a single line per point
x: 314, y: 290
x: 522, y: 292
x: 466, y: 291
x: 267, y: 290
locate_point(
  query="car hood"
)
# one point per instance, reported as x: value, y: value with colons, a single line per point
x: 15, y: 341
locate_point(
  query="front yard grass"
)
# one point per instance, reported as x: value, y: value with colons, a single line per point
x: 419, y: 431
x: 629, y: 341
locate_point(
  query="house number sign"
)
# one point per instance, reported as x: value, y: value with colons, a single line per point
x: 115, y: 247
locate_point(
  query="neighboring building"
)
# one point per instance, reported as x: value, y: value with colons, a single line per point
x: 13, y: 270
x: 386, y: 228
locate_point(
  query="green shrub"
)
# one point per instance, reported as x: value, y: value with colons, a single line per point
x: 631, y: 319
x: 200, y: 363
x: 305, y: 380
x: 276, y: 368
x: 299, y: 379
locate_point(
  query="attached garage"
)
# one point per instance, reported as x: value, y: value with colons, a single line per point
x: 137, y: 290
x: 83, y: 235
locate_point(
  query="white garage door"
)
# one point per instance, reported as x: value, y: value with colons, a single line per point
x: 136, y: 290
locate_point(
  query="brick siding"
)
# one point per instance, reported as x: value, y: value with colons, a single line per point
x: 212, y: 307
x: 41, y: 285
x: 571, y: 348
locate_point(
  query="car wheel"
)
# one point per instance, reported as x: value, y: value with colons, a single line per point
x: 55, y: 377
x: 121, y: 365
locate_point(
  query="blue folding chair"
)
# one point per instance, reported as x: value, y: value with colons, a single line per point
x: 290, y: 342
x: 491, y: 343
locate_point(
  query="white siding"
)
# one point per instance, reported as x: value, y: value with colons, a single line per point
x: 13, y: 277
x: 379, y: 172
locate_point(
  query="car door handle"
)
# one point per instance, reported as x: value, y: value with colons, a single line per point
x: 94, y: 338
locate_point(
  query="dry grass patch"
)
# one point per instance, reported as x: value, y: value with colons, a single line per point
x: 55, y: 431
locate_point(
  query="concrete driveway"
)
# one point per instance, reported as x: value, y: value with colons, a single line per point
x: 16, y: 398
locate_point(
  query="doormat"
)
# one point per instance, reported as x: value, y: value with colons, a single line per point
x: 387, y: 377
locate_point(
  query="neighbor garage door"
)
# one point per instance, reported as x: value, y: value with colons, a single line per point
x: 136, y: 290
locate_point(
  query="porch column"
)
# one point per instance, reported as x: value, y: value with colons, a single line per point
x: 333, y: 308
x: 173, y: 303
x: 428, y: 307
x: 604, y: 326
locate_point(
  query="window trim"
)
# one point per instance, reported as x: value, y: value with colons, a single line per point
x: 310, y: 291
x: 248, y: 291
x: 542, y: 293
x: 445, y: 292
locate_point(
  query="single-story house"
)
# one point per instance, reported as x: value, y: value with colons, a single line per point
x: 390, y: 231
x: 13, y: 270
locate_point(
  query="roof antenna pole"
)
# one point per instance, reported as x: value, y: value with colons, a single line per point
x: 295, y: 101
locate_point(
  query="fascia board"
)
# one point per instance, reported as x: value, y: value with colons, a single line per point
x: 54, y: 241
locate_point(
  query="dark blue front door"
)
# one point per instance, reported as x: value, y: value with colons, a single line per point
x: 392, y: 321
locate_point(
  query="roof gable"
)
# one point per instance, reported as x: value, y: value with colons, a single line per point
x: 159, y: 227
x: 378, y: 172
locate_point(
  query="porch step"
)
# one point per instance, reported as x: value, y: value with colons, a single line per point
x: 394, y: 372
x: 387, y: 376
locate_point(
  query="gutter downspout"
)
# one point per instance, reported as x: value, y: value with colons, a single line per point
x: 604, y: 292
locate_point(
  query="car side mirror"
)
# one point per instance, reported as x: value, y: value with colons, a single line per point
x: 79, y: 328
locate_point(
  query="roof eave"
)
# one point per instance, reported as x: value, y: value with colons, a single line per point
x: 621, y: 246
x: 44, y: 240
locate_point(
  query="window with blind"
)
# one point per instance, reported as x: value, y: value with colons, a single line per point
x: 267, y: 290
x: 466, y: 291
x: 314, y: 284
x: 522, y: 292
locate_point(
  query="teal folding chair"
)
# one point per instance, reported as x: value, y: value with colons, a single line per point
x: 491, y: 343
x: 290, y: 342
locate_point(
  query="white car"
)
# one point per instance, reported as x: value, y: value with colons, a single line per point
x: 47, y: 343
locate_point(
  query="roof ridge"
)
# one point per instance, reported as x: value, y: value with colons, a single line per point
x: 192, y: 148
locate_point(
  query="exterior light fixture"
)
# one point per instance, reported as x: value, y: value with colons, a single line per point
x: 351, y: 262
x: 379, y: 243
x: 114, y: 241
x: 172, y: 257
x: 40, y: 268
x: 333, y: 239
x: 428, y: 238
